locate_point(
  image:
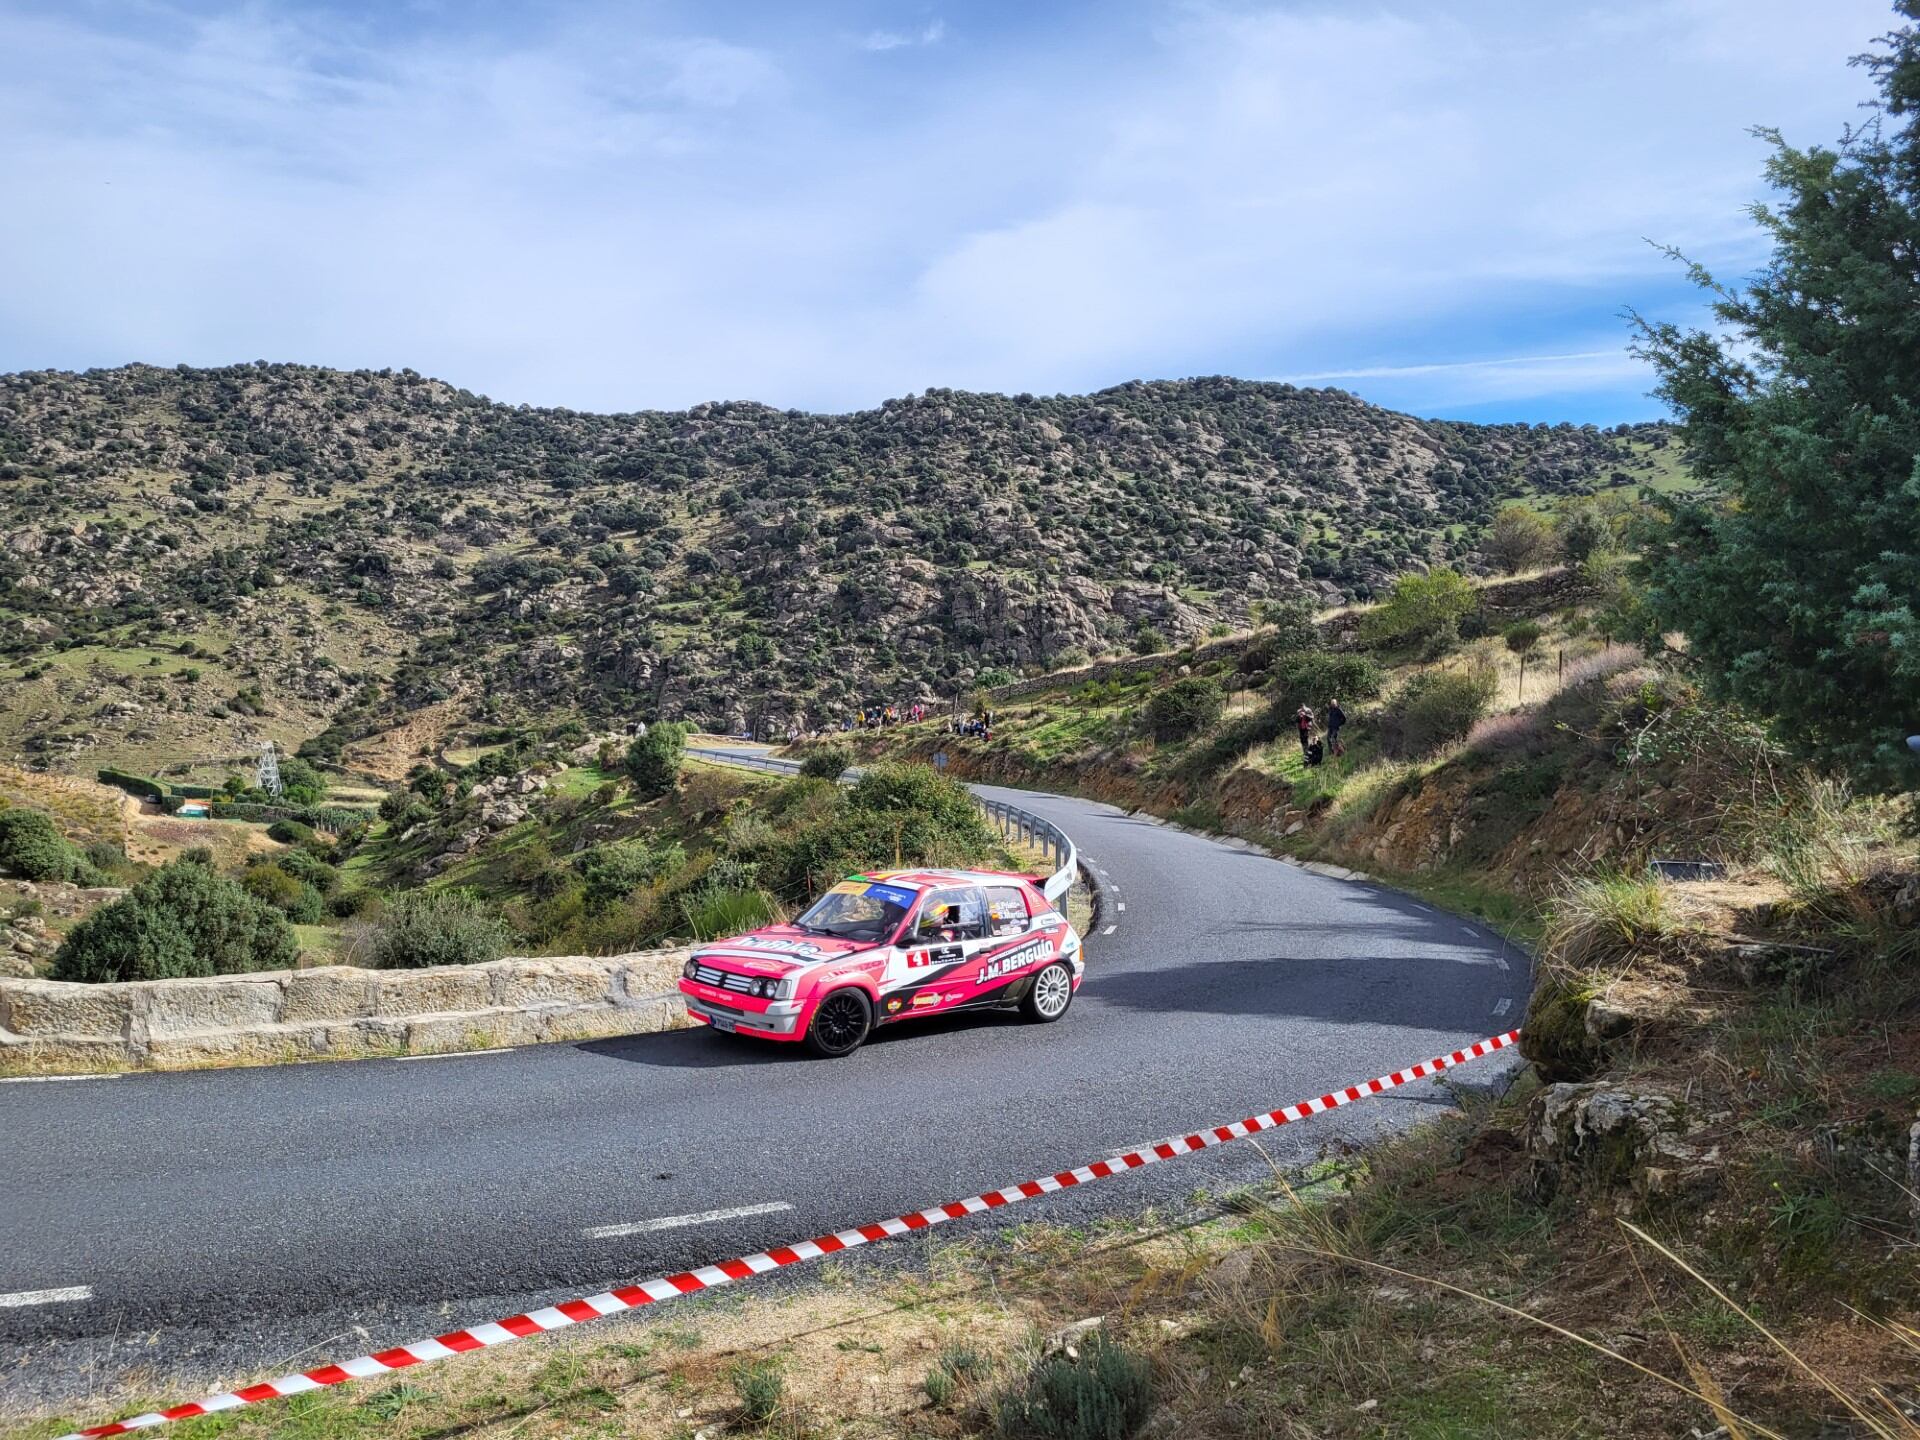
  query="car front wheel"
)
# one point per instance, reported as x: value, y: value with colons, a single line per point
x: 840, y: 1024
x: 1050, y: 994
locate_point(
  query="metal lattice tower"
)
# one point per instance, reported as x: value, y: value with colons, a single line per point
x: 268, y: 776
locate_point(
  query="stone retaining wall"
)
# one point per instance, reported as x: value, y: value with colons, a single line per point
x: 1499, y: 599
x: 333, y: 1011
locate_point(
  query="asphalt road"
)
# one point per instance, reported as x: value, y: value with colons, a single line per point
x: 225, y: 1221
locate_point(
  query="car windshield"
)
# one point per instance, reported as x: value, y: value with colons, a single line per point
x: 859, y: 910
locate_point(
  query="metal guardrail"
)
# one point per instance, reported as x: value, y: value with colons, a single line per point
x: 1011, y: 821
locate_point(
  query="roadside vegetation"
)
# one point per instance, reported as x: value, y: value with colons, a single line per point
x: 541, y: 845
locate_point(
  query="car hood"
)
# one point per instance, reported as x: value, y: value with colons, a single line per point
x: 779, y: 949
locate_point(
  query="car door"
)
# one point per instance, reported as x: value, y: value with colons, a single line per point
x: 1017, y: 945
x: 949, y: 927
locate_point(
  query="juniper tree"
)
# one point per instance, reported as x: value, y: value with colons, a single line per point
x: 1795, y: 575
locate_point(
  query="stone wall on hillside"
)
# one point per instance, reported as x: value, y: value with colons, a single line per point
x: 1502, y: 600
x: 332, y: 1012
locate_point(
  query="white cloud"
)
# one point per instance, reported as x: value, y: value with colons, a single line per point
x: 1450, y: 383
x: 612, y: 214
x: 932, y: 33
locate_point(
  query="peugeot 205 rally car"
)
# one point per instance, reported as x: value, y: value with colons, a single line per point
x: 879, y: 948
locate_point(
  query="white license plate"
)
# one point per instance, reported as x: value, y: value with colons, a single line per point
x: 721, y: 1022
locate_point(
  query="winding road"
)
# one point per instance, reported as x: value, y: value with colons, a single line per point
x: 180, y: 1227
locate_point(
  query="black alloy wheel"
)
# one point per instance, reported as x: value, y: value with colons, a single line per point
x: 840, y: 1024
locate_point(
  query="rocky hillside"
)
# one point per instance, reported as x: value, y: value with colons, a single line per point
x: 193, y: 559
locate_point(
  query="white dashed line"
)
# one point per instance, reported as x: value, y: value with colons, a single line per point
x: 1110, y: 929
x: 674, y: 1222
x: 1120, y: 905
x: 45, y: 1297
x: 41, y: 1079
x: 1501, y: 961
x: 1505, y: 1005
x: 457, y: 1054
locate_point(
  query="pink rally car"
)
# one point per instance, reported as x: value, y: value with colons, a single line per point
x: 880, y: 948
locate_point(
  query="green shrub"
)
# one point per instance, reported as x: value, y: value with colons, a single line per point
x: 303, y: 864
x: 1519, y: 539
x: 1421, y: 609
x: 32, y: 847
x: 1183, y: 709
x: 918, y: 790
x: 106, y: 857
x: 1104, y: 1394
x: 829, y: 762
x: 1287, y: 625
x: 438, y: 927
x: 615, y: 869
x: 1313, y: 678
x: 402, y: 812
x: 714, y: 911
x: 182, y: 920
x: 957, y: 1365
x: 653, y: 760
x: 354, y: 904
x: 300, y: 783
x: 1437, y: 707
x: 291, y: 896
x: 762, y: 1388
x: 898, y: 814
x: 1601, y: 920
x: 289, y: 832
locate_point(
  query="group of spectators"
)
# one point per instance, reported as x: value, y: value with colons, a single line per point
x: 878, y: 717
x: 979, y: 725
x: 1314, y: 751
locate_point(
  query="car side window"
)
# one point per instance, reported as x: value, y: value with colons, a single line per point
x: 947, y: 915
x: 1007, y: 910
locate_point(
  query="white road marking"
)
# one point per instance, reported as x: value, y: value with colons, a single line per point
x: 457, y: 1054
x: 1120, y: 905
x: 42, y: 1079
x: 1501, y: 961
x: 45, y: 1297
x: 1505, y: 1005
x: 674, y: 1222
x: 1110, y: 929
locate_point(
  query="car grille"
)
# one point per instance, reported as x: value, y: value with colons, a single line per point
x: 724, y: 979
x: 715, y: 1005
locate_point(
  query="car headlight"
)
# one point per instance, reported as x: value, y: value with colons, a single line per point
x: 766, y: 989
x: 687, y: 969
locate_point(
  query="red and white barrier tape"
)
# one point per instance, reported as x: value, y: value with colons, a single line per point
x: 632, y: 1297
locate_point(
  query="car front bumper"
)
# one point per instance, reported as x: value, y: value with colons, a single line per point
x: 781, y: 1020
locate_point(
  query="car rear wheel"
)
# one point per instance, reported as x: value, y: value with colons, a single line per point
x: 840, y: 1024
x: 1050, y: 994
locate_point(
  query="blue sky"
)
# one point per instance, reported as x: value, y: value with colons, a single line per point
x: 1443, y: 207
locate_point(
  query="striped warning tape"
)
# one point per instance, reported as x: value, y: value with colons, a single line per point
x: 632, y: 1297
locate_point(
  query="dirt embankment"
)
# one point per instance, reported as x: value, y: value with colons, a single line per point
x: 390, y: 754
x: 1524, y: 821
